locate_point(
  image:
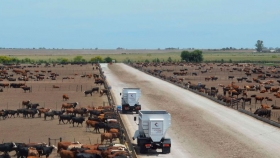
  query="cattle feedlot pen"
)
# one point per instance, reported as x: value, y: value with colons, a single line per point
x: 152, y: 128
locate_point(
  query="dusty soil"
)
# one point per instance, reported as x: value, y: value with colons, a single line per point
x: 25, y: 130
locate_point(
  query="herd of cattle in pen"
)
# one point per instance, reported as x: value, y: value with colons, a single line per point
x: 101, y: 117
x: 230, y: 83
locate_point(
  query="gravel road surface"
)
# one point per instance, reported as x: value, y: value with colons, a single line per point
x: 200, y: 127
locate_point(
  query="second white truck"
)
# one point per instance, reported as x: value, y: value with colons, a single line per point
x: 130, y: 97
x: 151, y: 131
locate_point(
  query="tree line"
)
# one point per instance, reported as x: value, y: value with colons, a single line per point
x: 77, y: 59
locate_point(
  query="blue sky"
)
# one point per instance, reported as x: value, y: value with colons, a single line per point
x: 141, y: 24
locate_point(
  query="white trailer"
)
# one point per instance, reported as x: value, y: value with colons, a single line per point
x: 151, y: 131
x: 130, y: 97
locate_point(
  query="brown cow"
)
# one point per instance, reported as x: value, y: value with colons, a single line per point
x: 91, y: 147
x: 66, y: 153
x: 43, y: 110
x: 259, y: 98
x: 33, y: 152
x: 268, y: 98
x: 106, y: 136
x: 64, y: 145
x: 91, y: 123
x: 24, y: 103
x: 264, y: 106
x: 69, y: 105
x: 54, y: 86
x: 274, y: 89
x: 65, y: 97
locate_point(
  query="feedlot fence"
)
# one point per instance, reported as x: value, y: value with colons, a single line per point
x: 48, y: 88
x: 237, y: 104
x: 125, y: 139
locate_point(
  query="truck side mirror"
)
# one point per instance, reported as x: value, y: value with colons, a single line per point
x: 120, y: 93
x: 134, y: 118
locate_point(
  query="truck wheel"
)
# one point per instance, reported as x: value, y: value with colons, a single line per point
x: 166, y: 150
x: 143, y: 149
x: 123, y: 111
x: 137, y: 111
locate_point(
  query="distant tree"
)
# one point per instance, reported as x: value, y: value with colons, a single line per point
x: 194, y: 56
x: 108, y: 59
x: 259, y: 46
x: 169, y: 59
x: 62, y: 60
x: 78, y: 58
x: 96, y: 59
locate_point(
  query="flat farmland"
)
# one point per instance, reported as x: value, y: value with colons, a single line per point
x: 25, y: 130
x: 123, y: 55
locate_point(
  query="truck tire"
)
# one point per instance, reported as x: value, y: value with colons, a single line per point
x: 123, y: 112
x: 143, y: 149
x: 166, y: 150
x: 137, y: 111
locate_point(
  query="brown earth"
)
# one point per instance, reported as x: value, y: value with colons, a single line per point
x: 25, y: 130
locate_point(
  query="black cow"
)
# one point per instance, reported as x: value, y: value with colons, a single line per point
x: 81, y: 111
x: 5, y: 156
x: 20, y: 111
x: 95, y: 89
x: 78, y: 120
x: 263, y: 112
x: 101, y: 82
x: 49, y: 114
x: 22, y: 151
x: 87, y: 155
x: 12, y: 112
x: 30, y: 112
x: 88, y: 92
x: 94, y: 112
x: 65, y: 117
x: 32, y: 106
x: 4, y: 114
x: 47, y: 150
x: 26, y: 89
x: 7, y: 147
x: 58, y: 113
x: 100, y: 125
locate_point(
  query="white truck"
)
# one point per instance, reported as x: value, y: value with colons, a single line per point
x: 151, y: 131
x: 130, y: 97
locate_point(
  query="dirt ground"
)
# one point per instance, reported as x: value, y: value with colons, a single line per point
x: 25, y: 130
x: 223, y: 73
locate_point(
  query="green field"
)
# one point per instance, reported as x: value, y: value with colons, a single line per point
x: 140, y: 55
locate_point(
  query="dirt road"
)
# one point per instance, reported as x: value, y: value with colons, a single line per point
x: 200, y: 127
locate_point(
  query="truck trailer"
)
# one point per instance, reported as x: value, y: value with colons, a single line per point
x: 151, y: 131
x: 130, y: 97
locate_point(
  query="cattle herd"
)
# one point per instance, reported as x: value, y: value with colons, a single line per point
x: 253, y: 87
x: 77, y: 113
